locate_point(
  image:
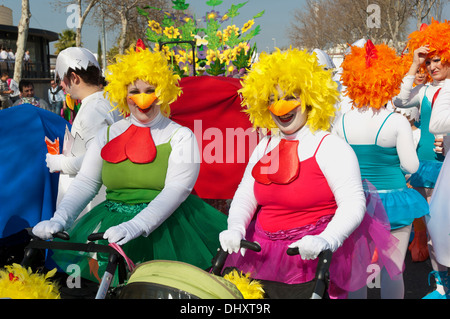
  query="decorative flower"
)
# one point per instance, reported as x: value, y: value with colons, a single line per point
x: 212, y: 55
x: 155, y: 26
x: 230, y: 30
x: 171, y: 32
x: 248, y: 26
x: 212, y: 15
x: 200, y: 41
x: 187, y: 18
x: 212, y: 41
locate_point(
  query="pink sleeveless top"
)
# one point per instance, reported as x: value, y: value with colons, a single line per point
x: 299, y: 203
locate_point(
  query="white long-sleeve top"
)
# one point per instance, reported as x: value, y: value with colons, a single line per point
x: 410, y: 96
x: 362, y: 126
x: 94, y: 114
x: 440, y: 116
x: 182, y: 172
x: 339, y: 165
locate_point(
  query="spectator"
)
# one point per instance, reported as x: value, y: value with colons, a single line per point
x: 14, y: 87
x: 11, y: 59
x: 3, y: 55
x: 26, y: 89
x: 55, y: 97
x: 5, y: 102
x: 27, y: 60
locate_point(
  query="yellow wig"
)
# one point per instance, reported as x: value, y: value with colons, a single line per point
x: 436, y: 36
x: 141, y: 64
x: 295, y: 72
x: 373, y: 74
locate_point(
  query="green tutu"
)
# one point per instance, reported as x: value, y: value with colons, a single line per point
x: 190, y: 235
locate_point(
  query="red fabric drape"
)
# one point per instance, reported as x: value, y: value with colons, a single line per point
x: 211, y: 108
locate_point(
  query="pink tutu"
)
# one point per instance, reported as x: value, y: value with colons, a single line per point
x: 349, y: 268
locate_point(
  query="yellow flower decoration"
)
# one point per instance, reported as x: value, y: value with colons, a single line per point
x: 231, y: 29
x: 248, y: 26
x: 297, y: 73
x: 171, y: 32
x: 212, y: 55
x: 239, y: 47
x: 212, y: 15
x: 155, y: 26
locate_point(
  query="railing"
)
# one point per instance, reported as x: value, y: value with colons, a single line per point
x: 29, y: 70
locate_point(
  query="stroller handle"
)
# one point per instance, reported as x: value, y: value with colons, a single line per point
x: 292, y: 251
x: 219, y: 260
x: 95, y: 236
x: 250, y: 245
x: 61, y: 235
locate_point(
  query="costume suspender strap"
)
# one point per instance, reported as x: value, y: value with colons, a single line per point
x: 435, y: 97
x: 376, y: 138
x: 343, y: 128
x: 318, y: 146
x: 107, y: 133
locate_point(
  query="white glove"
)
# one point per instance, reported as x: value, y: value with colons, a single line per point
x: 123, y: 233
x: 310, y: 247
x: 45, y: 229
x: 54, y: 162
x: 230, y: 241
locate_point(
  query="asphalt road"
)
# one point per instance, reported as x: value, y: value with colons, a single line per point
x: 415, y: 278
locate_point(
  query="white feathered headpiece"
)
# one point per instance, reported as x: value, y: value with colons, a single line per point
x: 74, y: 58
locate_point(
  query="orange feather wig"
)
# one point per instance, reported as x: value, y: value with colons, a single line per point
x: 373, y: 74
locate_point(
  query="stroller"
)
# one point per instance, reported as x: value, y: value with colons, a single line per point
x: 116, y: 260
x: 176, y: 280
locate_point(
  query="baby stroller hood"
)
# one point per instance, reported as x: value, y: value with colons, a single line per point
x: 181, y: 276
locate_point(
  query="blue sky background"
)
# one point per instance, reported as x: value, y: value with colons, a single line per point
x: 274, y: 23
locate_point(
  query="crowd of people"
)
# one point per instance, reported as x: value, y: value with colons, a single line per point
x: 357, y: 184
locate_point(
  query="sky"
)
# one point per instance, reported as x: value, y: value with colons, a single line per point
x: 274, y: 23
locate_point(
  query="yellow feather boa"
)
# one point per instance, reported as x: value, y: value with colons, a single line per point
x: 16, y: 282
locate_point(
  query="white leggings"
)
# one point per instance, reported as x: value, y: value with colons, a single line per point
x: 390, y: 289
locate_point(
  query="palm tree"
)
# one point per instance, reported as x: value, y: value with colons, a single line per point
x: 67, y: 39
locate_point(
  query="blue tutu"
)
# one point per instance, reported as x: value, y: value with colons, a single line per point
x: 402, y: 205
x: 426, y: 175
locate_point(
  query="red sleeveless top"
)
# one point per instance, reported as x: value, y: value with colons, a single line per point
x: 297, y: 203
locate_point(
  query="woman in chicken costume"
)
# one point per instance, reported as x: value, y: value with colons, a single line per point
x: 306, y: 182
x: 383, y: 142
x: 149, y: 165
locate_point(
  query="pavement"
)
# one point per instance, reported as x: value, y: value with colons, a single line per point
x: 415, y: 278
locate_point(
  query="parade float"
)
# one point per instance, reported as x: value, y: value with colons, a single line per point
x: 210, y: 53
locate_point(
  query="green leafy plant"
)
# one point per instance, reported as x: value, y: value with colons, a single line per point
x: 221, y: 48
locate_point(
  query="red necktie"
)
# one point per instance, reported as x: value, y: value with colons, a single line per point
x: 135, y: 144
x: 279, y: 166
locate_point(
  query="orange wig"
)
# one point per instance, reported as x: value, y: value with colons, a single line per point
x: 373, y: 74
x: 436, y: 36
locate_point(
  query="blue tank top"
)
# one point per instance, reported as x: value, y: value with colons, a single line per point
x: 426, y: 143
x: 379, y: 165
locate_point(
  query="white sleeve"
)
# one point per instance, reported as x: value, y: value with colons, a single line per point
x: 182, y: 173
x: 340, y: 167
x: 85, y: 185
x: 406, y: 147
x: 98, y: 118
x: 244, y: 204
x: 440, y: 116
x: 408, y: 96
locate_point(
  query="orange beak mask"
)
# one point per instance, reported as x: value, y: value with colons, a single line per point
x: 282, y: 107
x: 144, y: 100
